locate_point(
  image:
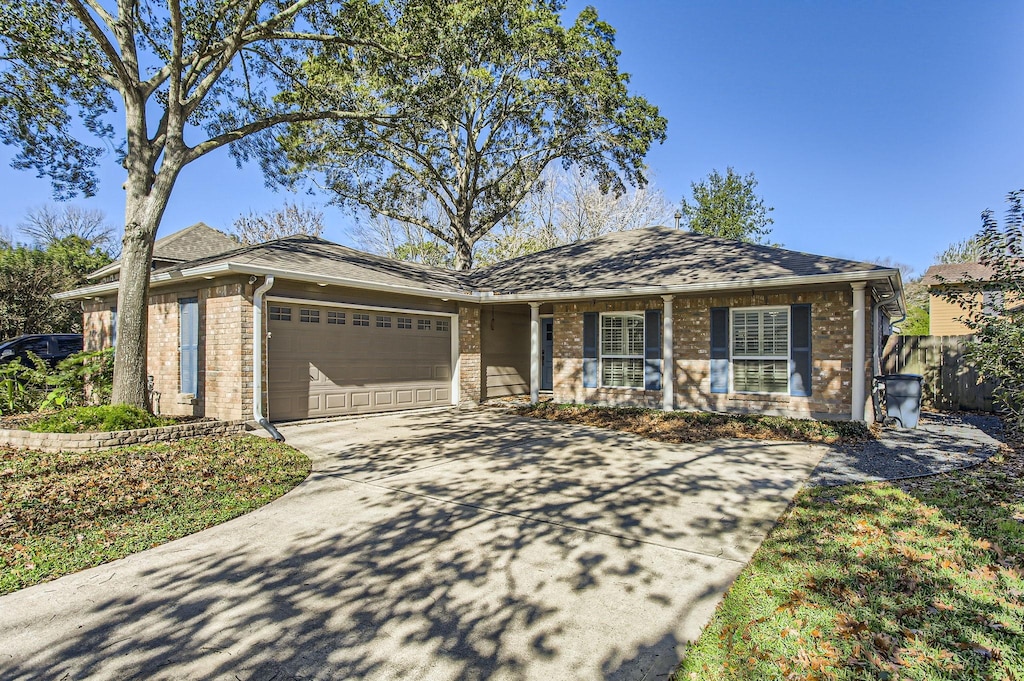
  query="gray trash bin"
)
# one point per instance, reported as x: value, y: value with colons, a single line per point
x: 903, y: 398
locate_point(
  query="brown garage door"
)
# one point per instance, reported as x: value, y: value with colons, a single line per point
x: 329, y: 361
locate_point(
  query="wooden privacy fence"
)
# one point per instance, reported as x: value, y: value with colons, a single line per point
x: 949, y: 382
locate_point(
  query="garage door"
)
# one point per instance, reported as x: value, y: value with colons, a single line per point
x: 330, y: 361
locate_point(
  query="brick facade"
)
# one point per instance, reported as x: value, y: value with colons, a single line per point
x: 225, y: 349
x: 470, y: 373
x: 225, y: 358
x: 832, y: 353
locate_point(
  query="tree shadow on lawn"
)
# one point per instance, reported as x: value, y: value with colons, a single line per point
x: 483, y: 547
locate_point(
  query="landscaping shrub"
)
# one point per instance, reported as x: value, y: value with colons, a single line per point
x: 81, y: 379
x: 104, y: 418
x: 23, y: 388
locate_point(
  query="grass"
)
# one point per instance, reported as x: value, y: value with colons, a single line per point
x: 682, y: 426
x: 920, y: 579
x: 60, y: 513
x: 103, y: 418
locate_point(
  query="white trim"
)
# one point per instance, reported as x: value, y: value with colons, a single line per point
x: 667, y: 357
x: 859, y: 358
x: 384, y: 308
x: 766, y: 358
x: 456, y: 359
x: 535, y: 343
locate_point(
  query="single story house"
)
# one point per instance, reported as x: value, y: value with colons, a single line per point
x: 301, y: 327
x: 945, y: 317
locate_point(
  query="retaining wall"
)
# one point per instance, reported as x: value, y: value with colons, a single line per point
x: 77, y: 442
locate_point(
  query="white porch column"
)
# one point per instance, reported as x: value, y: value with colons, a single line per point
x: 668, y: 386
x: 534, y: 353
x: 859, y: 354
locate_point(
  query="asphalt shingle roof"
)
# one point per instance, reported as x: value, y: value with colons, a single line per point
x: 314, y: 256
x: 192, y: 243
x: 653, y: 256
x: 951, y: 273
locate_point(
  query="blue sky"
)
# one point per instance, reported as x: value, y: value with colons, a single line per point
x: 875, y: 129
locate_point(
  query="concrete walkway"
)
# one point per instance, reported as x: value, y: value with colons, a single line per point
x: 430, y: 547
x: 942, y: 442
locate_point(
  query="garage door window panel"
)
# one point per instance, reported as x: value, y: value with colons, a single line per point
x: 279, y: 313
x: 309, y: 316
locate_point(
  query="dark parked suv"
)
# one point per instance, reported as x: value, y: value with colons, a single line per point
x: 49, y: 347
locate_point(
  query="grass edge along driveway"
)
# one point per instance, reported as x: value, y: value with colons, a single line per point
x: 918, y: 579
x: 61, y: 513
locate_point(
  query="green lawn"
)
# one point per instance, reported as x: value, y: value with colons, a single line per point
x: 60, y: 513
x: 914, y: 580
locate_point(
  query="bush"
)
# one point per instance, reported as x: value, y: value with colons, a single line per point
x: 23, y: 387
x: 81, y: 379
x: 103, y: 418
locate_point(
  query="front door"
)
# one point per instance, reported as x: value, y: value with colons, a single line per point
x: 546, y: 348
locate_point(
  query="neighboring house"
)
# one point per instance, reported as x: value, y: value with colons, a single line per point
x: 945, y: 315
x: 301, y: 327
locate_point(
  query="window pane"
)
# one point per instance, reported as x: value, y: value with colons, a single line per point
x: 442, y: 325
x: 622, y: 373
x: 775, y: 330
x: 613, y: 341
x: 761, y: 376
x: 635, y: 326
x: 745, y: 334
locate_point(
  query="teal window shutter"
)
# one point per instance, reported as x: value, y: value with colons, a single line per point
x: 800, y: 350
x: 590, y: 330
x: 188, y: 347
x: 719, y: 349
x: 652, y: 350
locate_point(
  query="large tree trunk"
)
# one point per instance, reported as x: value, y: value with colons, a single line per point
x: 144, y: 208
x: 463, y: 242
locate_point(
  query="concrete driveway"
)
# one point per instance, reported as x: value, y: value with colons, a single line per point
x: 431, y: 546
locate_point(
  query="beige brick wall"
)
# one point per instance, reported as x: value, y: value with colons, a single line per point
x: 470, y: 375
x: 225, y: 348
x: 567, y: 355
x: 832, y: 352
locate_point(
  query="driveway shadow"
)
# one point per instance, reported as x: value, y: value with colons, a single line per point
x: 436, y: 546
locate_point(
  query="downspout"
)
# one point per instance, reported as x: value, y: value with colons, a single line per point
x: 257, y: 358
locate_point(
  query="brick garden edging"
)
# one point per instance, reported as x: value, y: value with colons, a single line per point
x: 77, y: 442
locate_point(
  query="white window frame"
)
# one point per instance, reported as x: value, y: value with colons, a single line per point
x: 601, y: 354
x: 771, y: 358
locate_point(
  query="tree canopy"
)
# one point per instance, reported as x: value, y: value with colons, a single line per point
x: 163, y: 84
x: 30, y: 273
x: 727, y: 206
x: 288, y: 220
x: 503, y: 90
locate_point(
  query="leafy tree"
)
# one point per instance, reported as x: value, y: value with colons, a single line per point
x: 727, y: 206
x: 917, y: 323
x: 48, y: 224
x: 29, y: 274
x: 289, y: 220
x: 165, y: 83
x: 994, y: 306
x: 968, y: 250
x: 568, y: 207
x: 504, y: 91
